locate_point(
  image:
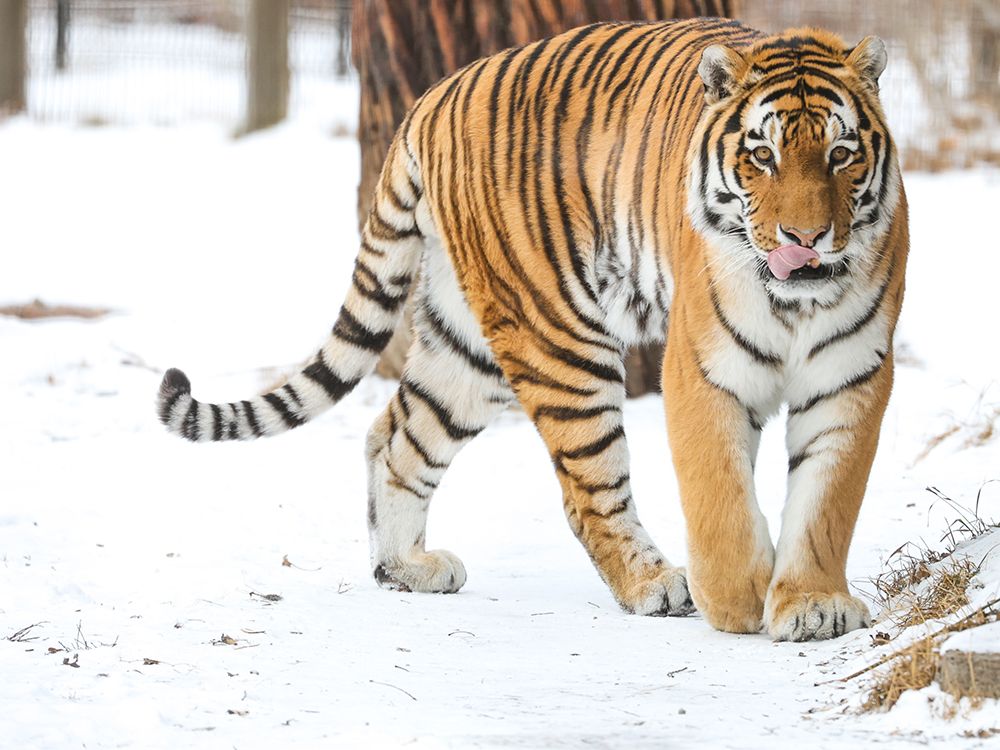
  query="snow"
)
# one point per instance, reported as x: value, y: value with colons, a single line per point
x: 981, y: 640
x: 229, y: 258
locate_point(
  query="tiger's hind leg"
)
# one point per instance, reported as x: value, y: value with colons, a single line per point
x: 576, y: 405
x: 450, y: 389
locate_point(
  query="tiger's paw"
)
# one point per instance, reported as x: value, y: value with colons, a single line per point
x: 664, y: 594
x: 732, y: 602
x: 434, y: 572
x: 814, y: 616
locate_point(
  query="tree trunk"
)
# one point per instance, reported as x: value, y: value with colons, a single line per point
x: 267, y: 63
x: 534, y: 19
x: 13, y: 55
x: 62, y: 33
x: 401, y: 47
x: 984, y: 54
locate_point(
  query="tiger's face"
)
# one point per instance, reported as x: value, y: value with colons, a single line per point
x: 793, y: 153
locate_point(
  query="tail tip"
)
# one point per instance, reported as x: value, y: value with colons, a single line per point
x: 174, y: 385
x: 174, y: 381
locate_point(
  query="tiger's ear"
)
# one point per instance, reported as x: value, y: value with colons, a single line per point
x: 720, y: 69
x: 868, y: 58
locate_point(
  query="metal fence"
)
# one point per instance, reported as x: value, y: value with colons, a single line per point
x: 170, y: 61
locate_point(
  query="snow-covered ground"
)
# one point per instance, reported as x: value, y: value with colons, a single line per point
x: 148, y: 564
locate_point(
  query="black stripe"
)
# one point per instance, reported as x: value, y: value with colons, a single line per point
x: 403, y: 404
x: 795, y: 461
x: 857, y: 325
x: 394, y: 198
x: 857, y: 380
x: 804, y: 452
x: 232, y: 433
x: 373, y: 250
x: 189, y: 427
x: 375, y: 292
x: 381, y: 229
x: 596, y: 447
x: 353, y: 331
x: 618, y: 509
x: 570, y: 414
x: 455, y: 432
x: 547, y: 382
x: 705, y: 374
x: 422, y: 451
x: 800, y: 43
x: 574, y: 360
x: 399, y: 482
x: 292, y: 394
x: 319, y: 372
x: 248, y: 410
x: 216, y: 422
x: 441, y: 328
x: 291, y: 419
x: 764, y: 358
x: 615, y: 484
x: 800, y: 87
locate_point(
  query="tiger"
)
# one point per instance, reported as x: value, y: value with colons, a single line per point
x: 549, y: 206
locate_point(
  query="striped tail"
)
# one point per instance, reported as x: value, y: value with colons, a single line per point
x: 391, y: 246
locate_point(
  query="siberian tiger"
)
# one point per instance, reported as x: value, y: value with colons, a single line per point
x: 551, y: 203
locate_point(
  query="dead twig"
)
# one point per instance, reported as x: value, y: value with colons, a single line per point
x: 394, y: 687
x: 267, y: 597
x: 21, y: 636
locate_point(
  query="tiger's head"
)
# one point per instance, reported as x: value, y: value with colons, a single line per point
x: 792, y: 160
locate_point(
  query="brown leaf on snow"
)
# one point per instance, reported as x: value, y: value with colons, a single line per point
x: 880, y: 638
x: 38, y: 309
x: 149, y: 662
x: 285, y: 562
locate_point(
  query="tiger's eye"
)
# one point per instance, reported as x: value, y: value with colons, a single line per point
x: 839, y: 154
x: 763, y: 154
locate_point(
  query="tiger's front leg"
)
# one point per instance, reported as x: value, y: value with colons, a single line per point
x: 831, y: 444
x: 713, y: 442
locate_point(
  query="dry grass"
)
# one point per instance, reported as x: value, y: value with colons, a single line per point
x: 906, y: 567
x: 920, y: 586
x: 915, y: 666
x: 974, y: 431
x: 945, y: 595
x: 912, y: 668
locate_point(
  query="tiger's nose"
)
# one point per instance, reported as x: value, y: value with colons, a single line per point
x: 804, y: 237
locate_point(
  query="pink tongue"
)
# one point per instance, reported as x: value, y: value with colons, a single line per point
x: 785, y: 259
